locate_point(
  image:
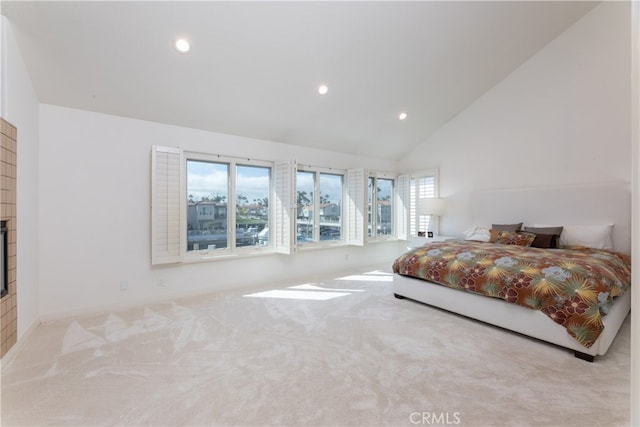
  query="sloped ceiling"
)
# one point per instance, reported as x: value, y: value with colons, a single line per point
x: 254, y: 67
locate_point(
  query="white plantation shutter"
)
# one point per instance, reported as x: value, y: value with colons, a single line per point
x: 356, y: 206
x: 284, y: 225
x: 422, y: 185
x: 403, y: 207
x: 426, y: 189
x: 166, y: 206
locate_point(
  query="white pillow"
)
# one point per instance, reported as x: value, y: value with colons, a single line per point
x: 476, y: 233
x: 592, y: 236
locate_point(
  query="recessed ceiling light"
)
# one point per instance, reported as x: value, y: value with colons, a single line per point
x: 182, y: 45
x: 402, y: 116
x: 323, y: 89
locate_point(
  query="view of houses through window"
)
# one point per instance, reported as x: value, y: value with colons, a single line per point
x: 319, y: 206
x: 210, y: 189
x: 252, y: 205
x: 380, y: 207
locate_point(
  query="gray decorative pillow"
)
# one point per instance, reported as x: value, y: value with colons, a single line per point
x: 507, y: 227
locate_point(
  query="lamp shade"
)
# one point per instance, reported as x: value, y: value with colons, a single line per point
x: 431, y: 206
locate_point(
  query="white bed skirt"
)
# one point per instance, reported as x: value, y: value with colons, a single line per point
x: 509, y: 316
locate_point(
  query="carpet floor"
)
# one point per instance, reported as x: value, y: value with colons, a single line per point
x: 335, y: 352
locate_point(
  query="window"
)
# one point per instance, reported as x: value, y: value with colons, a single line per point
x: 221, y: 207
x: 319, y: 205
x: 209, y: 206
x: 381, y: 207
x: 330, y: 208
x: 208, y: 195
x: 305, y: 185
x: 252, y: 205
x: 421, y: 185
x: 215, y: 186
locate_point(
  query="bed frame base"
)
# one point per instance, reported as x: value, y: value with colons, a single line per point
x: 584, y: 356
x: 578, y: 354
x: 512, y: 317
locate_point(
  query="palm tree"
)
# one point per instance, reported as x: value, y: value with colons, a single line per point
x: 218, y: 198
x: 303, y: 199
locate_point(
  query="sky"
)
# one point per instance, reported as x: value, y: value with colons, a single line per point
x: 208, y: 179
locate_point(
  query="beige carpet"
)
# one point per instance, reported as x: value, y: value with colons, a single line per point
x: 348, y: 354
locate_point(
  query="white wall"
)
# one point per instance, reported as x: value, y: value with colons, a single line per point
x: 3, y: 66
x: 20, y: 108
x: 95, y: 213
x: 635, y: 218
x: 563, y: 117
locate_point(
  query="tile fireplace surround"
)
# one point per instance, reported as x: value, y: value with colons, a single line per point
x: 8, y: 309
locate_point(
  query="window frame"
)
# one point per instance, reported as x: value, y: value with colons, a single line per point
x: 395, y: 215
x: 317, y: 242
x: 231, y: 250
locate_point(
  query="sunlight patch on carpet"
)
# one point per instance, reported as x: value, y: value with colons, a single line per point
x: 299, y: 294
x: 312, y: 287
x: 368, y: 278
x: 379, y: 273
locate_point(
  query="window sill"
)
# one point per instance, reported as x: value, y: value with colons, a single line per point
x: 389, y: 240
x: 243, y: 253
x: 205, y: 256
x: 315, y: 246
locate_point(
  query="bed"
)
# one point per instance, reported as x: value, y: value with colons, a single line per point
x: 470, y: 278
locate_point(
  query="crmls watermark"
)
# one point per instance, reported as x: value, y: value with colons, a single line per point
x: 435, y: 418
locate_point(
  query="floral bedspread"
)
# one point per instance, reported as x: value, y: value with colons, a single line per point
x: 574, y: 287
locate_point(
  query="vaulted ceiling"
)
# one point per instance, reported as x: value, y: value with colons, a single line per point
x: 254, y: 67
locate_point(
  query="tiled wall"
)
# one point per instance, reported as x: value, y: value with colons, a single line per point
x: 8, y: 304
